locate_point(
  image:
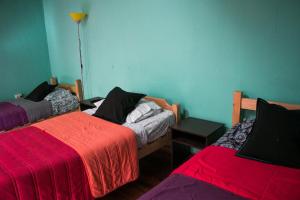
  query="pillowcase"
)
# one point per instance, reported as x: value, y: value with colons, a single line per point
x: 275, y: 137
x: 40, y: 92
x: 235, y: 137
x: 117, y: 105
x: 62, y: 101
x: 58, y: 93
x: 92, y: 111
x: 143, y: 110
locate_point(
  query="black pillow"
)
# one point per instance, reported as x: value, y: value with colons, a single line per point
x: 275, y: 136
x: 117, y: 105
x: 40, y: 92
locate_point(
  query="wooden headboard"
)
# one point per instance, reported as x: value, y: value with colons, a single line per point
x: 240, y: 103
x: 75, y: 88
x: 175, y: 108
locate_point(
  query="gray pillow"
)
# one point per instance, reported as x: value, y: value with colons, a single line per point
x: 143, y: 110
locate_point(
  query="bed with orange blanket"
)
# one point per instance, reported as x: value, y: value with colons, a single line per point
x: 73, y: 156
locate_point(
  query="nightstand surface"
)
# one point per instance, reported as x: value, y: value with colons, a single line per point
x: 197, y: 133
x: 197, y: 126
x: 89, y: 103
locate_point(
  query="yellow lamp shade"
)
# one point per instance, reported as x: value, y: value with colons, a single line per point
x: 77, y: 16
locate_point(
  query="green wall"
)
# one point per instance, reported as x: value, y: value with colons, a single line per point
x: 195, y: 52
x: 24, y: 59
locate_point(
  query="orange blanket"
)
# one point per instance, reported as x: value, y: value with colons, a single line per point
x: 108, y: 150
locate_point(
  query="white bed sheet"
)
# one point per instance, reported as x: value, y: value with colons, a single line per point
x: 147, y: 130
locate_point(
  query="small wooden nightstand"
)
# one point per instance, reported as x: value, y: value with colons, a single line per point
x: 196, y: 133
x: 89, y: 103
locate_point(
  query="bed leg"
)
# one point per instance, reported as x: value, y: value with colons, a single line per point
x: 171, y: 155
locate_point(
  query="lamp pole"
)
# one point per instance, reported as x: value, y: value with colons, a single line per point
x: 80, y: 57
x: 78, y: 17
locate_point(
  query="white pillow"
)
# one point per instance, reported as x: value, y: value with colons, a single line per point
x: 143, y: 110
x: 92, y: 111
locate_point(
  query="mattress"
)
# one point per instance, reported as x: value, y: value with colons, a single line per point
x: 147, y: 130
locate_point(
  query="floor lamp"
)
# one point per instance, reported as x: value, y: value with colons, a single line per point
x: 78, y: 17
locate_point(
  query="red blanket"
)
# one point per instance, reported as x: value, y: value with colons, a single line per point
x: 248, y: 178
x: 35, y: 165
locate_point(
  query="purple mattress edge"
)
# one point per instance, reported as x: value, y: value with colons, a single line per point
x: 11, y: 116
x: 179, y: 187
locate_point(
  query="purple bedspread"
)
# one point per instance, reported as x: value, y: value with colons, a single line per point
x: 11, y: 116
x: 178, y: 187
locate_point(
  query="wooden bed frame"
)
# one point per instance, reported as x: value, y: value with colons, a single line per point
x: 75, y: 88
x: 165, y: 140
x: 240, y: 103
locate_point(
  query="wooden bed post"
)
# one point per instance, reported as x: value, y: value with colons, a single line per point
x: 237, y: 102
x: 176, y: 110
x: 53, y: 81
x: 78, y: 88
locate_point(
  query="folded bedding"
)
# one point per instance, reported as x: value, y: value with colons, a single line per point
x: 152, y: 128
x: 143, y: 110
x: 22, y: 111
x: 72, y: 156
x: 34, y: 110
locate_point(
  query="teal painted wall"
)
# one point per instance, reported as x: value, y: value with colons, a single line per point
x: 195, y: 52
x: 24, y: 59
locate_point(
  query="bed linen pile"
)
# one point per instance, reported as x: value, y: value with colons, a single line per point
x: 21, y: 111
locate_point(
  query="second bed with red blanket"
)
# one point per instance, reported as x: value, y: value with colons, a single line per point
x: 216, y: 173
x: 74, y: 156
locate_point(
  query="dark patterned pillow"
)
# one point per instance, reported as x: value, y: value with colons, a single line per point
x: 62, y: 101
x: 235, y: 137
